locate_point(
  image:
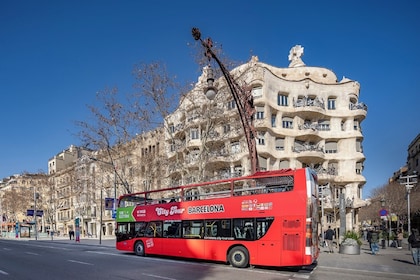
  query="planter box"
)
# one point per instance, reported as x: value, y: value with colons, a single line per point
x: 349, y: 250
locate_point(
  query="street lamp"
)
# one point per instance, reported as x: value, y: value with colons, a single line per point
x: 383, y: 207
x: 242, y: 96
x: 36, y: 196
x: 410, y: 181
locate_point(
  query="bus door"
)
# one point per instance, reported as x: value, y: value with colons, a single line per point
x: 269, y: 247
x: 153, y: 241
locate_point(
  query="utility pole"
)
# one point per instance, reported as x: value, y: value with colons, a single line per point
x: 409, y: 181
x: 35, y: 226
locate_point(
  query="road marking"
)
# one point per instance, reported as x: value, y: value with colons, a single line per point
x: 85, y: 263
x: 157, y: 276
x: 3, y: 272
x: 32, y: 253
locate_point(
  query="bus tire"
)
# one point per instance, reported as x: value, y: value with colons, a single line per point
x: 239, y: 257
x: 139, y: 249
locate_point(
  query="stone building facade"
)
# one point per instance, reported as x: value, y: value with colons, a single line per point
x: 304, y: 117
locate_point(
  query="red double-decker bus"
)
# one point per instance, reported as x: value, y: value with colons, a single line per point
x: 269, y: 219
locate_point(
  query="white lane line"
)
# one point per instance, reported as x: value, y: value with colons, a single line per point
x: 32, y: 253
x: 157, y: 276
x: 3, y: 272
x: 85, y: 263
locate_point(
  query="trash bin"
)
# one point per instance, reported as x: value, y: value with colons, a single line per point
x: 383, y: 243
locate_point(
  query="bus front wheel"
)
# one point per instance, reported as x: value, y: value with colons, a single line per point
x: 239, y: 257
x: 139, y: 249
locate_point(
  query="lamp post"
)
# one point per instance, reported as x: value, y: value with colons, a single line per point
x: 383, y: 207
x: 242, y: 96
x: 410, y: 181
x: 35, y: 225
x: 115, y: 184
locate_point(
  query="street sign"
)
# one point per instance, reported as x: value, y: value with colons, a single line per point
x: 383, y: 212
x: 109, y: 203
x: 30, y: 212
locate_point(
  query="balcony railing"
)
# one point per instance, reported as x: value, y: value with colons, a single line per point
x: 308, y: 148
x: 326, y: 171
x: 309, y: 102
x: 358, y: 106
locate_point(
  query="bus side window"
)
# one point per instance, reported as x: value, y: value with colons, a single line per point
x: 154, y: 229
x: 171, y: 229
x: 244, y: 229
x: 263, y: 224
x: 192, y: 229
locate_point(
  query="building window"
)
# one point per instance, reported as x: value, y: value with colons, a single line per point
x: 324, y: 125
x: 287, y: 122
x: 333, y: 168
x: 359, y: 167
x: 235, y: 148
x: 284, y: 164
x: 226, y: 128
x: 173, y: 147
x: 263, y: 163
x: 282, y: 99
x: 261, y: 138
x: 257, y: 92
x: 331, y: 103
x: 194, y: 133
x: 238, y: 171
x: 260, y: 113
x: 356, y: 125
x: 280, y: 144
x: 171, y: 128
x: 273, y: 120
x: 359, y: 146
x: 331, y: 147
x: 231, y: 104
x: 193, y: 116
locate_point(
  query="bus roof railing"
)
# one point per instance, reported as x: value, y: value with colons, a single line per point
x: 184, y: 193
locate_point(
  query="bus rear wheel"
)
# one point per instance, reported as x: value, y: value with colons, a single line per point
x: 238, y: 257
x: 139, y: 249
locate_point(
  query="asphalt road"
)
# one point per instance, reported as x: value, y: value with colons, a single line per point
x: 64, y: 259
x: 68, y: 261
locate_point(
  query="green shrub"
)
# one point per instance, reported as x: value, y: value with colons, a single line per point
x: 352, y: 235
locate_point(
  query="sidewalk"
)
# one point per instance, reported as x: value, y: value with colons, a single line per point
x: 389, y: 260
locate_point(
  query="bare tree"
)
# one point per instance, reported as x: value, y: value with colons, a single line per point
x: 117, y: 120
x: 394, y: 198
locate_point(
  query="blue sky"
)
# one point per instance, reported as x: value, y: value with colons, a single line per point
x: 55, y: 55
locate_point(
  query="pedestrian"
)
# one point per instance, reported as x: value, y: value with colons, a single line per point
x: 70, y: 234
x: 414, y: 240
x: 400, y: 237
x: 374, y: 239
x: 329, y: 236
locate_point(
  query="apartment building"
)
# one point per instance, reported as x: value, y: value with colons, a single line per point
x: 81, y: 180
x: 19, y: 199
x: 304, y: 117
x: 413, y: 156
x: 412, y: 165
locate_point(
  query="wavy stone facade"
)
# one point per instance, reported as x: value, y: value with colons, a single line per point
x: 304, y: 117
